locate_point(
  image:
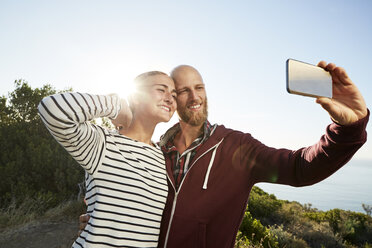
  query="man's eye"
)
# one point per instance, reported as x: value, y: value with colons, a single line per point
x: 161, y: 90
x: 181, y: 91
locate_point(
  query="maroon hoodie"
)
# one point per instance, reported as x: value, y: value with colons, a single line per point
x: 209, y: 205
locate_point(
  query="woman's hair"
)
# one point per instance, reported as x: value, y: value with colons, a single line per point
x: 140, y: 83
x: 140, y: 80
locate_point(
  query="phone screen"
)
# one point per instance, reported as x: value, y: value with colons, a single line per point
x: 308, y: 80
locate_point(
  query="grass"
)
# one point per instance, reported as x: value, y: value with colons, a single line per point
x: 35, y: 209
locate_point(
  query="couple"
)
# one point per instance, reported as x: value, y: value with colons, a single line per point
x: 199, y: 197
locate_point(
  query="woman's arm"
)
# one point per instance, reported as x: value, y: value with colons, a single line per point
x: 67, y: 116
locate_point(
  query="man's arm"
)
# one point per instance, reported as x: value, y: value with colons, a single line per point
x: 312, y: 164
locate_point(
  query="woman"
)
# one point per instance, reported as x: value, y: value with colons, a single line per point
x: 125, y: 172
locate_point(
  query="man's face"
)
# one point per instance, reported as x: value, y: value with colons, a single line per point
x: 192, y: 106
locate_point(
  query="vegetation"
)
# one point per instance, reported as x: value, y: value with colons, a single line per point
x: 367, y: 208
x: 38, y: 179
x: 290, y: 224
x: 36, y: 173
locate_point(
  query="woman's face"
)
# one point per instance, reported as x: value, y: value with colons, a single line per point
x: 157, y: 99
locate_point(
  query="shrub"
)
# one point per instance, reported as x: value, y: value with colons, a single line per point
x: 258, y: 235
x: 367, y: 208
x: 356, y: 228
x: 318, y: 235
x: 263, y: 205
x: 32, y: 164
x: 287, y: 239
x: 352, y: 228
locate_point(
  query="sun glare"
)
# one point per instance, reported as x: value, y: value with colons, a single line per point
x: 125, y: 89
x: 125, y: 86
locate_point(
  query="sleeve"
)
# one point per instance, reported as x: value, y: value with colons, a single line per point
x: 308, y: 165
x: 67, y: 116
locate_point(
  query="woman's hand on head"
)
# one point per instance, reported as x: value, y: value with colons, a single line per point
x: 124, y: 117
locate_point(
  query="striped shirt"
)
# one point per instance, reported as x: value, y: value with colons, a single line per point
x: 125, y: 179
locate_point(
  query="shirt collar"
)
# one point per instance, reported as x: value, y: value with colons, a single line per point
x: 167, y: 139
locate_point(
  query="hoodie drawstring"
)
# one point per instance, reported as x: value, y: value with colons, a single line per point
x: 210, y: 165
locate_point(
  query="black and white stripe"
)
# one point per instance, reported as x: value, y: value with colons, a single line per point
x: 126, y: 179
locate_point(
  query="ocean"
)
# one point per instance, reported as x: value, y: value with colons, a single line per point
x: 347, y: 189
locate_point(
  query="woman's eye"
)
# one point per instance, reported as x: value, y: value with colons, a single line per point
x: 161, y: 90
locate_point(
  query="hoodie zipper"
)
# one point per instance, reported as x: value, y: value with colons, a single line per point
x: 179, y: 188
x: 172, y: 212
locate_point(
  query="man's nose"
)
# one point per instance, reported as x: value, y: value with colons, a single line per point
x: 193, y: 95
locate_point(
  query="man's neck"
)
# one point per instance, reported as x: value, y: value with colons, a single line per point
x: 187, y: 135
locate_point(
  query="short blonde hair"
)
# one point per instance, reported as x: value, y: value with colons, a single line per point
x: 141, y: 79
x: 139, y: 85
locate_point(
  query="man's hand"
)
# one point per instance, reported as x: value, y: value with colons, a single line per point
x: 83, y: 221
x: 347, y: 104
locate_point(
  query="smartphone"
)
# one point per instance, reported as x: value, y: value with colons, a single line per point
x: 308, y: 80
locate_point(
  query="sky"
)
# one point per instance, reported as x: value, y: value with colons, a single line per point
x: 239, y: 47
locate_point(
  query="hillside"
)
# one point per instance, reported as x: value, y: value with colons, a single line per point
x: 269, y: 222
x: 44, y: 234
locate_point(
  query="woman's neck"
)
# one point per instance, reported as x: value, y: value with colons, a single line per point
x: 140, y: 130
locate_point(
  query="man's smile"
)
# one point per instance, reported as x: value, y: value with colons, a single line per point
x: 195, y: 106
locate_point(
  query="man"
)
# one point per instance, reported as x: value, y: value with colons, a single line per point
x: 211, y: 169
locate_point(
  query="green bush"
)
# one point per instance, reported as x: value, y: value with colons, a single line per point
x: 353, y: 228
x: 32, y: 164
x: 263, y: 205
x: 356, y: 228
x: 253, y: 231
x: 287, y: 239
x: 303, y: 224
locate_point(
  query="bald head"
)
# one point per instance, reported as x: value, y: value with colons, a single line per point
x: 185, y: 72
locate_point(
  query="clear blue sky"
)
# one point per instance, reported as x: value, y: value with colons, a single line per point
x: 240, y: 48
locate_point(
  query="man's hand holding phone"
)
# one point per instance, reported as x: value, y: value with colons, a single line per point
x: 331, y: 86
x: 347, y: 104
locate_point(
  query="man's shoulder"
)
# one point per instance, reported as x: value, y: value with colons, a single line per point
x: 230, y: 135
x: 221, y: 129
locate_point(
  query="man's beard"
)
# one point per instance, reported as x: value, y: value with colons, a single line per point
x: 192, y: 118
